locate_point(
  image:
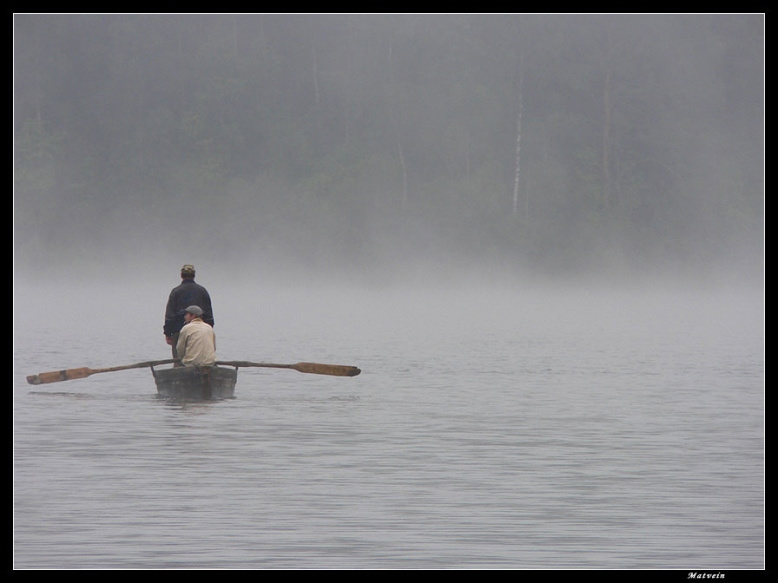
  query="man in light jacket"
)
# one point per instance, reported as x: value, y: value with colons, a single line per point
x: 197, y: 341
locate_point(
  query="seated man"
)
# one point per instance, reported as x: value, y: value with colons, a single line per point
x: 197, y: 342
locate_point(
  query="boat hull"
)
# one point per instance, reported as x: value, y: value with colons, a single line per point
x: 196, y: 383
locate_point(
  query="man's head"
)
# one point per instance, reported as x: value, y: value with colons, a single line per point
x: 187, y: 272
x: 193, y: 312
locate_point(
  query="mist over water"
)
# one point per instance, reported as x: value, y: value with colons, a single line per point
x: 247, y: 306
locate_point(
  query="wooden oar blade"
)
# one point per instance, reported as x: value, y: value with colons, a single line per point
x: 59, y: 375
x: 338, y: 370
x: 80, y: 373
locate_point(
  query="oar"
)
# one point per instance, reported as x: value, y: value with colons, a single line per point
x: 81, y: 373
x: 338, y: 370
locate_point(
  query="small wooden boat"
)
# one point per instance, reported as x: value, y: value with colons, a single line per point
x: 196, y: 382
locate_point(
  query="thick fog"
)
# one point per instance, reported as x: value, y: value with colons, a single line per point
x: 381, y: 152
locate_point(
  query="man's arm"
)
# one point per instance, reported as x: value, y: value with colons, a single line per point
x: 181, y: 346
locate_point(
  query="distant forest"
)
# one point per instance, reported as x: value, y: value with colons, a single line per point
x: 544, y: 142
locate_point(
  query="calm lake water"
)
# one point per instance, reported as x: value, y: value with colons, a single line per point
x: 500, y: 429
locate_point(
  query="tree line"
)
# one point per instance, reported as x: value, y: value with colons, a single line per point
x: 543, y: 141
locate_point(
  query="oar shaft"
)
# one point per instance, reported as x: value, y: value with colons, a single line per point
x: 338, y: 370
x: 147, y: 364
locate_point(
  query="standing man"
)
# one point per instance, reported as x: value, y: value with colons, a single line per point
x: 196, y: 342
x: 188, y: 293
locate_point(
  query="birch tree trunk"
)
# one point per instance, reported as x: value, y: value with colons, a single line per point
x: 606, y: 137
x: 404, y: 201
x: 611, y: 54
x: 517, y: 169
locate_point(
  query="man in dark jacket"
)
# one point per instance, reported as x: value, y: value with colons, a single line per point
x: 186, y: 294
